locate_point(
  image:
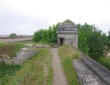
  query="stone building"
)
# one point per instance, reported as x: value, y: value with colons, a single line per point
x: 67, y: 33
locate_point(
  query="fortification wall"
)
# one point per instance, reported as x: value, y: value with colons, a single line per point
x: 15, y: 39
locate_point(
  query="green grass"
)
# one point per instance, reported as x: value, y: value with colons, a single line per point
x: 35, y: 71
x: 105, y: 62
x: 10, y: 49
x: 67, y: 54
x: 6, y: 71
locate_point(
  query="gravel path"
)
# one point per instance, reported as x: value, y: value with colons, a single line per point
x: 59, y: 76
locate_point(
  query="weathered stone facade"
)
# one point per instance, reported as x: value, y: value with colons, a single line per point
x: 67, y: 33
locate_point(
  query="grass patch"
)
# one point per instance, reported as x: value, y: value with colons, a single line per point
x: 105, y: 62
x: 35, y: 71
x: 67, y: 54
x: 6, y: 71
x: 10, y: 49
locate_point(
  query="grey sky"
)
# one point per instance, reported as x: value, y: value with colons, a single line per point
x: 13, y: 22
x: 27, y: 16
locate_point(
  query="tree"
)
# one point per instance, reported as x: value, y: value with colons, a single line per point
x: 96, y: 44
x: 46, y: 35
x: 82, y: 39
x: 13, y: 35
x: 91, y: 40
x: 109, y: 39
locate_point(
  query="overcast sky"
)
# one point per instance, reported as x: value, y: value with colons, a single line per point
x: 27, y: 16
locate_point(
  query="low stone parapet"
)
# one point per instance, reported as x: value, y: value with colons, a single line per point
x: 85, y: 75
x: 100, y: 70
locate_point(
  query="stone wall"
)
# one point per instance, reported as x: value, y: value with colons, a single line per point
x: 85, y: 75
x: 16, y: 39
x: 69, y: 39
x: 98, y: 69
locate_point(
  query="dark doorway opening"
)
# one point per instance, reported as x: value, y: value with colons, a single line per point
x: 61, y: 41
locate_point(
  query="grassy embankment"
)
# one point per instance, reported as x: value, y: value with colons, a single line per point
x: 35, y: 71
x: 8, y: 50
x: 67, y: 54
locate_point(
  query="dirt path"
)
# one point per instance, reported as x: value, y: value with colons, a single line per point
x: 58, y: 77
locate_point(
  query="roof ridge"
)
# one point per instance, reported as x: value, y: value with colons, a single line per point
x: 67, y: 21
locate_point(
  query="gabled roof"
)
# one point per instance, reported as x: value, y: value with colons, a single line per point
x: 67, y: 25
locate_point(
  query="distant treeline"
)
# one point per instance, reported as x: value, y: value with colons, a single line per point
x: 91, y: 40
